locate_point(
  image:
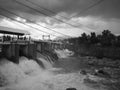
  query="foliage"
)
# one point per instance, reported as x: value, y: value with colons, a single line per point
x: 102, y: 45
x: 106, y: 38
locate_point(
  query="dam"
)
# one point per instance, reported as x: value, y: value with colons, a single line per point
x: 27, y: 64
x: 15, y: 43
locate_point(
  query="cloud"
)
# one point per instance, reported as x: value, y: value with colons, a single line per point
x: 12, y: 24
x: 89, y: 24
x: 83, y: 24
x: 107, y: 8
x: 100, y: 16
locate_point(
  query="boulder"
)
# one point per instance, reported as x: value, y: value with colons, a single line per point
x: 100, y: 72
x: 71, y: 89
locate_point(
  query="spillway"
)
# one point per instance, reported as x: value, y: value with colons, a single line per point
x: 29, y: 75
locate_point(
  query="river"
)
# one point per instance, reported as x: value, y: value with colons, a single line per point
x: 28, y: 75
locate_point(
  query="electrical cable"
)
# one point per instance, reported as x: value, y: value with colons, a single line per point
x: 40, y: 24
x: 86, y: 9
x: 45, y: 14
x: 26, y: 24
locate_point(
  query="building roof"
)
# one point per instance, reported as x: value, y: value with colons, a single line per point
x: 6, y: 30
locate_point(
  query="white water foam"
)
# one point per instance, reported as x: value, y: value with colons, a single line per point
x: 46, y: 64
x: 29, y: 67
x: 11, y: 71
x: 28, y: 75
x: 64, y: 53
x: 15, y: 73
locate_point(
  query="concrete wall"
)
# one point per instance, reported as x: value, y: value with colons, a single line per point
x: 14, y: 51
x: 11, y: 52
x: 28, y: 50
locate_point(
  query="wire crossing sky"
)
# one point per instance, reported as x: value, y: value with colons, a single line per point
x: 23, y: 22
x: 89, y: 7
x: 33, y: 21
x: 66, y: 17
x: 62, y: 21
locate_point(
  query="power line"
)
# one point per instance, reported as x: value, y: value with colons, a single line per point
x: 46, y: 14
x: 40, y: 24
x: 98, y: 2
x: 43, y: 8
x: 91, y: 6
x: 17, y: 21
x: 24, y: 18
x: 35, y: 23
x: 26, y: 24
x: 86, y: 9
x: 20, y: 24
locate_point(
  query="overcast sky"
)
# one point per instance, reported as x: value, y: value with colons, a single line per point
x: 80, y: 16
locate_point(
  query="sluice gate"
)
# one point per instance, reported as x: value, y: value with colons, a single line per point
x: 13, y: 51
x: 15, y: 43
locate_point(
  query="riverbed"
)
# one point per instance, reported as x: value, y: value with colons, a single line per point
x: 65, y: 73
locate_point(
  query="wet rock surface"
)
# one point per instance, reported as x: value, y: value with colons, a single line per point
x: 71, y: 89
x: 98, y: 73
x: 67, y: 73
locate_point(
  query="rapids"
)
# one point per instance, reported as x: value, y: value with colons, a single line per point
x: 29, y: 75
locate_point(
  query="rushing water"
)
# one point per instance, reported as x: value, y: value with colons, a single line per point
x: 28, y: 75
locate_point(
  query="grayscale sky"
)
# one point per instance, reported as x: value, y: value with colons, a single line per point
x: 80, y: 16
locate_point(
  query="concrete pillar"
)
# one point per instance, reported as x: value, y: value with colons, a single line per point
x: 6, y: 51
x: 39, y: 47
x: 32, y: 51
x: 24, y: 50
x: 16, y: 54
x: 42, y: 47
x: 28, y: 51
x: 52, y: 46
x: 1, y: 55
x: 11, y: 52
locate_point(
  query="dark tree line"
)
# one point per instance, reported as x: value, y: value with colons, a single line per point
x: 106, y: 38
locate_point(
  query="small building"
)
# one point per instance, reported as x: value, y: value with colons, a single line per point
x: 11, y: 34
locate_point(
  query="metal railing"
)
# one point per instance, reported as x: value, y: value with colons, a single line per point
x: 9, y: 39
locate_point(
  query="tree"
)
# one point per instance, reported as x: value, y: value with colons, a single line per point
x: 84, y: 38
x: 117, y: 43
x: 93, y: 38
x: 107, y: 38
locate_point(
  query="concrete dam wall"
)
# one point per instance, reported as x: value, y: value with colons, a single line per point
x: 31, y: 50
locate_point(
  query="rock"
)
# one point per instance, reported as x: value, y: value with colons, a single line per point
x: 91, y: 83
x: 83, y: 72
x: 71, y: 89
x: 88, y: 80
x: 101, y: 73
